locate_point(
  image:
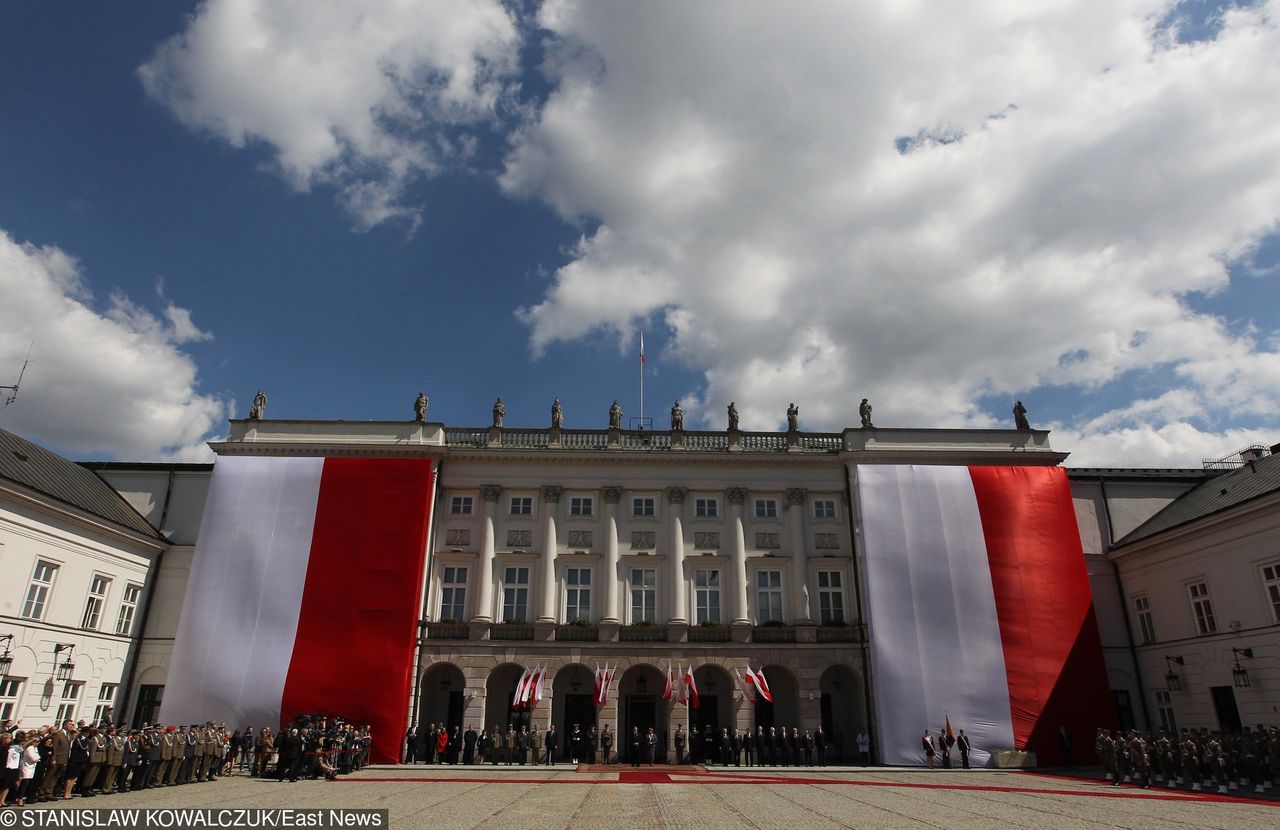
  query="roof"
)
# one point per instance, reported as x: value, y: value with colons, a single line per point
x: 1140, y: 473
x: 1253, y: 480
x: 36, y: 468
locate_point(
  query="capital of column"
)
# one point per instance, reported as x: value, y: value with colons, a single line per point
x: 677, y: 495
x: 490, y: 492
x: 612, y: 494
x: 737, y: 495
x: 796, y: 495
x: 552, y: 493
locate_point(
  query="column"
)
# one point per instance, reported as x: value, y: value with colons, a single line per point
x: 609, y: 579
x: 677, y: 603
x: 489, y: 494
x: 550, y: 546
x: 800, y: 611
x: 738, y: 557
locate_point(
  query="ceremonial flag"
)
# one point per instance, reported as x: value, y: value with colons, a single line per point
x: 758, y: 680
x: 668, y: 688
x: 691, y: 686
x: 597, y: 686
x: 610, y: 675
x: 951, y: 735
x: 522, y: 687
x: 642, y: 361
x: 745, y: 686
x: 978, y: 600
x: 540, y: 678
x: 304, y: 594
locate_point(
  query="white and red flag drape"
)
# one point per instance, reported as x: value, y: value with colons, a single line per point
x: 745, y: 686
x: 304, y: 594
x: 690, y: 687
x: 669, y: 686
x: 979, y: 604
x: 603, y: 682
x: 759, y: 683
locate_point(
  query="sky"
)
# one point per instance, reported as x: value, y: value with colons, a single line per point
x: 943, y: 208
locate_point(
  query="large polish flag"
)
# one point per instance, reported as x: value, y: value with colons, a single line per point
x: 979, y: 606
x: 304, y: 595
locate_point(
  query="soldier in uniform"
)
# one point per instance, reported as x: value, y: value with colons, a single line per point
x: 680, y: 739
x: 263, y: 746
x: 522, y: 745
x: 114, y: 771
x: 606, y: 744
x: 97, y: 761
x: 593, y: 744
x: 129, y: 779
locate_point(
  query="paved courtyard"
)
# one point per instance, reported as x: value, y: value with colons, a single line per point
x: 531, y: 798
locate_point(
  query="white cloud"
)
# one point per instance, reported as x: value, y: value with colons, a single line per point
x: 112, y: 381
x: 742, y: 166
x: 364, y: 97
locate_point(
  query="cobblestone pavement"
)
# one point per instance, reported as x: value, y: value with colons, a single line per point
x: 532, y: 798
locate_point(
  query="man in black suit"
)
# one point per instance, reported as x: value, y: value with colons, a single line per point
x: 962, y: 744
x: 760, y: 740
x: 411, y: 744
x: 737, y: 749
x: 290, y: 750
x: 551, y: 740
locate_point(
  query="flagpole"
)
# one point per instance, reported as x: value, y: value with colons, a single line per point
x: 642, y: 379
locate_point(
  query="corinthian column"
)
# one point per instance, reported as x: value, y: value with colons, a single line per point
x: 738, y: 554
x: 800, y: 612
x: 609, y: 579
x: 677, y: 604
x: 489, y: 493
x: 550, y: 545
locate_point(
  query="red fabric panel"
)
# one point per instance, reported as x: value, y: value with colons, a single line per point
x: 1052, y: 651
x: 353, y: 653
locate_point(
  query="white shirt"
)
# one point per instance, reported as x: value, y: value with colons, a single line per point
x: 30, y: 757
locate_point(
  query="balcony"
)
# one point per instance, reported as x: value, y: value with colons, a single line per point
x: 448, y: 631
x: 577, y: 633
x: 773, y: 634
x: 710, y: 634
x: 839, y: 633
x: 642, y: 634
x: 511, y: 631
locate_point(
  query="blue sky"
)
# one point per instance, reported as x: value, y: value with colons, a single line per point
x: 481, y: 199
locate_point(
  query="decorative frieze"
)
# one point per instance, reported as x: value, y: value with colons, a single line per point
x: 826, y: 541
x: 643, y: 540
x: 767, y: 541
x: 491, y: 492
x: 551, y: 493
x: 457, y: 538
x: 580, y: 538
x: 519, y: 538
x: 706, y: 539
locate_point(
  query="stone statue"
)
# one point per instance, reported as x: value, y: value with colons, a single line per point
x: 733, y: 417
x: 557, y: 415
x: 677, y: 417
x: 864, y: 412
x: 420, y: 407
x: 259, y: 406
x: 1020, y: 416
x: 793, y: 418
x: 615, y: 416
x: 498, y: 412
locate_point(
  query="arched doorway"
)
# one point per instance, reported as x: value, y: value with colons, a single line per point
x: 443, y: 696
x: 500, y: 692
x: 572, y: 703
x: 640, y: 706
x: 843, y: 712
x: 714, y: 713
x: 785, y: 709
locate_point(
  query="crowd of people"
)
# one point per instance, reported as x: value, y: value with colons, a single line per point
x: 59, y: 762
x: 1196, y: 758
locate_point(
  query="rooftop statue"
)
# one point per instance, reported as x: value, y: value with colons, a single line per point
x: 557, y: 415
x: 677, y: 417
x: 259, y: 405
x: 864, y: 412
x: 498, y: 412
x: 793, y: 418
x: 733, y: 417
x: 420, y: 407
x: 1020, y: 416
x: 615, y: 416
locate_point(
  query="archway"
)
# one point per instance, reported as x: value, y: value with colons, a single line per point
x: 713, y: 715
x: 572, y: 704
x: 844, y: 714
x: 785, y: 709
x: 640, y: 706
x: 443, y: 699
x: 500, y: 692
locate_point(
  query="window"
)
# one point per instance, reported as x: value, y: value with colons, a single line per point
x: 768, y: 596
x: 577, y: 596
x: 824, y: 509
x: 1164, y: 706
x: 106, y: 699
x: 519, y: 538
x: 706, y: 586
x: 38, y: 592
x: 148, y: 709
x: 515, y: 595
x: 521, y: 505
x: 128, y: 605
x: 766, y: 508
x: 1271, y: 582
x: 1146, y: 628
x: 581, y: 506
x: 460, y: 506
x: 70, y: 698
x: 706, y: 508
x: 1202, y: 608
x: 1124, y: 709
x: 642, y: 507
x: 453, y: 594
x: 830, y: 598
x: 93, y: 605
x: 644, y: 595
x: 643, y: 539
x: 10, y: 691
x: 457, y: 538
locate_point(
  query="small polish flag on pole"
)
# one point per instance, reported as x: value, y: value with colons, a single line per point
x: 540, y: 678
x: 745, y: 686
x: 692, y: 686
x: 668, y: 689
x: 757, y: 679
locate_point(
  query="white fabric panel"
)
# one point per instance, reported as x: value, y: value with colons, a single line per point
x: 932, y: 625
x: 235, y: 636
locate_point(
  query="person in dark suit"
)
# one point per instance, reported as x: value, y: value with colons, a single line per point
x: 726, y: 747
x: 1064, y: 741
x: 290, y: 750
x: 680, y: 741
x: 469, y: 739
x: 552, y: 738
x: 962, y: 744
x: 695, y: 745
x: 820, y: 745
x: 411, y: 744
x: 771, y: 745
x: 710, y: 753
x: 635, y: 746
x: 748, y: 744
x: 736, y: 748
x: 650, y: 746
x: 522, y: 745
x: 760, y: 740
x: 807, y: 746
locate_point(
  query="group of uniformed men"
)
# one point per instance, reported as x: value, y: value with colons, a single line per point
x: 1196, y: 758
x: 776, y: 746
x: 439, y: 744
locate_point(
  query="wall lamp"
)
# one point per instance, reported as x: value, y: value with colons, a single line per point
x: 66, y: 667
x: 1171, y: 679
x: 1239, y: 674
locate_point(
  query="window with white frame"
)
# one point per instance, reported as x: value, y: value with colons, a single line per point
x: 38, y: 591
x: 1146, y: 627
x: 106, y: 699
x: 1271, y: 584
x: 831, y: 597
x: 98, y: 588
x: 1201, y: 607
x: 453, y: 593
x: 461, y: 505
x: 581, y: 506
x: 644, y: 595
x: 1164, y: 707
x: 521, y: 505
x: 824, y: 509
x: 69, y: 701
x: 515, y: 594
x: 706, y: 588
x: 766, y: 508
x: 128, y: 607
x: 10, y: 691
x: 643, y: 506
x: 706, y: 508
x: 577, y: 594
x: 768, y: 596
